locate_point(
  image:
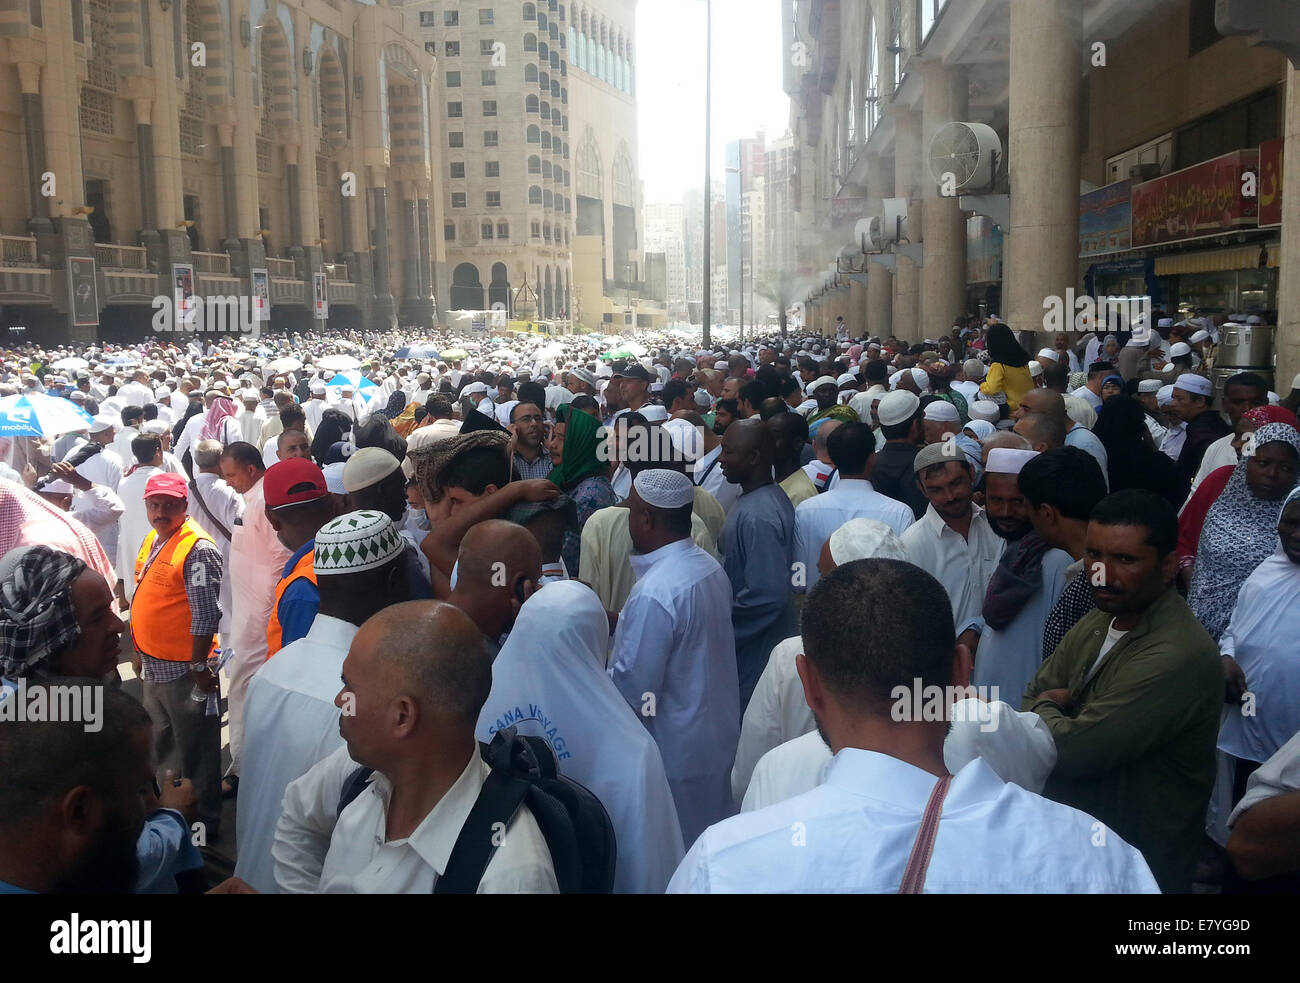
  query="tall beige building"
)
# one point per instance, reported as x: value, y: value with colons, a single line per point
x: 203, y: 143
x: 540, y: 190
x: 665, y: 232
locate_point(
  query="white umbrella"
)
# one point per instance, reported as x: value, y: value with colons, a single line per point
x: 38, y: 415
x: 338, y: 363
x: 70, y: 364
x: 288, y: 364
x: 501, y: 353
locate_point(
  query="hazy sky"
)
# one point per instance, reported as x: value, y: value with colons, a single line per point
x: 747, y: 94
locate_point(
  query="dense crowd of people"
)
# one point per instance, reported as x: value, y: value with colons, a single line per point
x: 593, y: 614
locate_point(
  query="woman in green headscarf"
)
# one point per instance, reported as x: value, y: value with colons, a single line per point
x: 581, y: 472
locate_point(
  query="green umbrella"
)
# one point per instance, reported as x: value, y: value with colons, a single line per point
x: 621, y: 353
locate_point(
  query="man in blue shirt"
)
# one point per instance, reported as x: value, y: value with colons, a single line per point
x: 298, y: 503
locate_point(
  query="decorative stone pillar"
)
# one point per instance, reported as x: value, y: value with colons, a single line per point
x: 383, y: 309
x: 943, y: 276
x: 907, y: 161
x: 29, y: 80
x: 880, y: 282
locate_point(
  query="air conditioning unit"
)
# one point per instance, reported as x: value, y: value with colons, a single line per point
x: 1143, y: 172
x: 868, y: 235
x: 970, y: 152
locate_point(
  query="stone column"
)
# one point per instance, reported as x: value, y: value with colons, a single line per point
x: 880, y: 282
x: 1042, y: 245
x: 291, y: 182
x: 943, y: 277
x: 907, y: 140
x: 1287, y: 343
x: 29, y: 79
x: 383, y: 306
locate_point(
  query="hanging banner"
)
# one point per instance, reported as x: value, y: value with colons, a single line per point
x: 1270, y: 182
x: 1105, y: 219
x: 183, y: 292
x: 261, y: 281
x: 320, y: 295
x: 82, y: 291
x: 1200, y: 200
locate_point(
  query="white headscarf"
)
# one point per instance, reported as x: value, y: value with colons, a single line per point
x: 548, y: 682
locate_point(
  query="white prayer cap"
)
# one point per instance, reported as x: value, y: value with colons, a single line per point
x: 1273, y: 398
x: 154, y: 427
x: 58, y: 487
x: 1008, y: 460
x: 922, y: 379
x: 942, y: 411
x: 368, y: 466
x: 985, y: 409
x: 974, y: 369
x: 664, y: 489
x: 897, y: 407
x: 1194, y: 384
x: 1179, y: 349
x: 1050, y: 354
x: 1165, y: 322
x: 1165, y: 396
x: 1035, y: 368
x: 473, y: 388
x: 1080, y: 411
x: 825, y: 380
x: 654, y: 413
x: 847, y: 379
x: 318, y: 388
x: 105, y: 421
x: 1149, y: 386
x: 334, y: 477
x: 866, y: 539
x: 1200, y: 336
x: 894, y: 377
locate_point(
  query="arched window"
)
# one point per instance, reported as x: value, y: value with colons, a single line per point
x: 547, y: 171
x: 534, y: 134
x: 548, y: 199
x: 555, y: 61
x: 624, y: 177
x: 555, y: 33
x: 546, y: 139
x: 543, y: 52
x: 546, y: 110
x: 544, y: 82
x: 555, y: 90
x: 530, y: 42
x: 531, y: 104
x: 589, y: 167
x: 530, y: 11
x: 573, y: 45
x: 530, y: 73
x: 535, y: 195
x: 534, y: 164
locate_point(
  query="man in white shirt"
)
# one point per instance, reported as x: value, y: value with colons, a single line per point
x: 290, y: 720
x: 1172, y: 445
x: 127, y: 431
x: 315, y: 407
x: 414, y: 682
x: 134, y: 525
x: 888, y: 789
x: 850, y: 446
x: 216, y: 507
x: 104, y: 468
x: 674, y: 657
x: 137, y: 391
x: 953, y: 541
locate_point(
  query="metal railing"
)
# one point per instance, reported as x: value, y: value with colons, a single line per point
x: 281, y: 267
x: 19, y: 250
x: 109, y: 256
x: 336, y: 271
x: 212, y: 262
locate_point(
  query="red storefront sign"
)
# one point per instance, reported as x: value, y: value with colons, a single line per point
x: 1196, y: 201
x: 1270, y: 182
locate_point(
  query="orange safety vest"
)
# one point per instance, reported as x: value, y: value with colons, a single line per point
x: 160, y: 609
x: 305, y: 567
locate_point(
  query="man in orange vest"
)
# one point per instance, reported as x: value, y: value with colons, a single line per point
x: 298, y: 503
x: 174, y: 619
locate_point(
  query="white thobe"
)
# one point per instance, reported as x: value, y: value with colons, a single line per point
x: 290, y: 723
x: 226, y: 506
x: 121, y: 444
x: 819, y: 516
x: 134, y: 525
x: 604, y: 563
x: 313, y: 410
x: 854, y: 833
x: 708, y: 475
x: 777, y: 713
x: 1278, y: 775
x: 250, y: 424
x: 319, y: 850
x: 674, y: 661
x: 1008, y: 658
x: 1220, y: 454
x: 105, y: 468
x: 257, y: 558
x: 962, y: 566
x: 135, y: 394
x: 99, y: 509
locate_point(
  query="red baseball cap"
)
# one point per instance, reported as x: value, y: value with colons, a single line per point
x: 166, y: 484
x: 293, y: 481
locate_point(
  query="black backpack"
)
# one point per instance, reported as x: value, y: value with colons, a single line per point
x: 574, y: 823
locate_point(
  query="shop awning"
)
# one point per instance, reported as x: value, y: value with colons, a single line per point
x: 1216, y: 260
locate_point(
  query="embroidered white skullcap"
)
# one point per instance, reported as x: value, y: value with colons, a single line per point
x: 985, y: 409
x: 1035, y: 368
x: 1165, y: 322
x: 922, y: 379
x: 1008, y: 460
x: 866, y: 539
x: 1198, y: 384
x: 942, y: 411
x: 897, y: 407
x: 334, y: 477
x: 974, y: 369
x: 664, y: 489
x: 1179, y: 349
x: 368, y: 466
x: 356, y: 542
x: 1149, y: 386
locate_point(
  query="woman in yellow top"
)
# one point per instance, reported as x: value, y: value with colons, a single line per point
x: 1008, y: 378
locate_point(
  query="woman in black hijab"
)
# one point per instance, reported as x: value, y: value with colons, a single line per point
x: 1008, y: 377
x: 1131, y: 458
x: 333, y: 425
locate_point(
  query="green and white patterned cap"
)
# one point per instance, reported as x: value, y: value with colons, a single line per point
x: 356, y: 542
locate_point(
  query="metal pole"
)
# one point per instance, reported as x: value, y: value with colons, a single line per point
x: 740, y: 180
x: 707, y: 336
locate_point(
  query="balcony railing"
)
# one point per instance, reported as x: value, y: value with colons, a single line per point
x: 212, y: 263
x: 336, y: 271
x: 109, y: 256
x: 281, y: 267
x: 19, y: 250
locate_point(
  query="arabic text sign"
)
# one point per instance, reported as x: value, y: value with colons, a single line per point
x: 1199, y: 200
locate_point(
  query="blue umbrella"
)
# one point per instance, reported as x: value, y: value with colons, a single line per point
x: 38, y: 415
x: 417, y: 351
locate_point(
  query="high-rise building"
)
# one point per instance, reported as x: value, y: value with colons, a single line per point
x: 665, y: 231
x: 745, y: 162
x: 542, y: 196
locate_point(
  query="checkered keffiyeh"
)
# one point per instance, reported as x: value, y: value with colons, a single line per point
x: 356, y: 542
x: 37, y: 617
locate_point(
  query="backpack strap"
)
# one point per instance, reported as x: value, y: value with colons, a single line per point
x: 353, y: 787
x: 194, y: 490
x: 919, y: 861
x: 498, y: 801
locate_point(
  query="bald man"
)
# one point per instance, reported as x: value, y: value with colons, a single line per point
x: 757, y: 550
x: 414, y: 682
x: 498, y: 568
x: 1044, y: 433
x: 1052, y: 403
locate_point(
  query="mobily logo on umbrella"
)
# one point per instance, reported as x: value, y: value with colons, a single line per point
x: 230, y: 314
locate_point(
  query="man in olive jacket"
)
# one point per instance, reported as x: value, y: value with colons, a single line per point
x: 1133, y: 693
